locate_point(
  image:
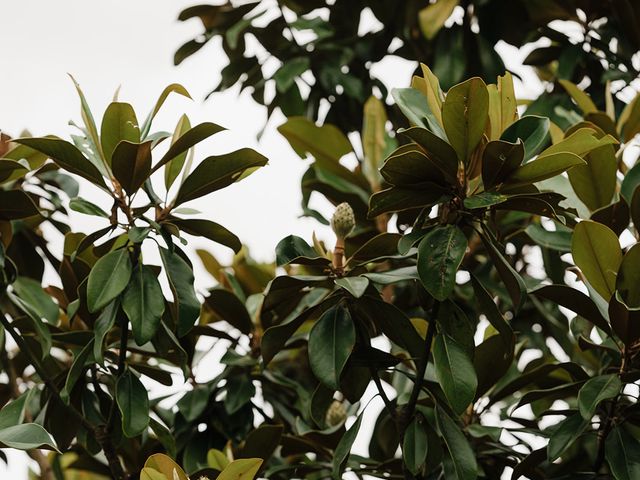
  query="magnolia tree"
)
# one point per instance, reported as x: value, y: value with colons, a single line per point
x: 483, y: 282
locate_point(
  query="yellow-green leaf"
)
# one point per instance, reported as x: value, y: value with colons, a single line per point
x: 432, y: 17
x: 243, y: 469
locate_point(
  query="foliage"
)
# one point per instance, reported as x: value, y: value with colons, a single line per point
x: 324, y: 54
x: 483, y: 280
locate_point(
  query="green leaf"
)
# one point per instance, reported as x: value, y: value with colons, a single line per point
x: 622, y: 451
x: 208, y: 229
x: 183, y: 143
x: 133, y: 403
x: 398, y: 199
x: 118, y: 123
x: 143, y: 303
x: 76, y: 371
x: 31, y: 292
x: 596, y: 251
x: 131, y: 164
x: 463, y: 457
x: 341, y: 452
x: 439, y: 152
x: 240, y: 390
x: 185, y: 304
x: 630, y: 183
x: 13, y: 412
x: 326, y: 142
x: 484, y: 200
x: 11, y: 170
x: 582, y: 99
x: 108, y: 279
x: 293, y: 249
x: 543, y: 167
x: 331, y: 341
x: 229, y: 308
x: 81, y: 205
x: 415, y: 444
x: 67, y: 156
x: 499, y: 160
x: 217, y: 172
x: 455, y: 372
x: 286, y: 75
x: 595, y: 182
x: 431, y: 18
x: 512, y: 280
x: 173, y: 88
x: 217, y: 459
x: 356, y: 286
x: 532, y: 130
x: 42, y: 333
x: 565, y: 434
x: 488, y: 307
x: 242, y: 469
x: 16, y: 204
x: 440, y: 253
x: 374, y: 140
x: 26, y: 437
x: 464, y: 115
x: 595, y: 391
x: 411, y: 167
x: 103, y: 324
x: 559, y: 240
x: 628, y: 278
x: 415, y: 107
x: 174, y: 166
x: 580, y: 142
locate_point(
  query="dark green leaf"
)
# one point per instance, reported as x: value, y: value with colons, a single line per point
x: 439, y: 256
x: 455, y: 372
x: 341, y: 453
x: 32, y: 293
x: 217, y: 172
x: 143, y: 302
x: 186, y: 305
x: 622, y: 451
x: 464, y: 460
x: 565, y: 434
x: 532, y: 130
x: 208, y: 229
x: 628, y: 278
x: 131, y: 164
x: 85, y: 206
x: 108, y: 278
x: 15, y: 204
x: 133, y: 403
x: 295, y: 250
x: 331, y: 341
x: 414, y: 445
x: 230, y: 309
x: 26, y: 437
x: 595, y: 391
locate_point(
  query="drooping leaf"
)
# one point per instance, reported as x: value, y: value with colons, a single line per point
x: 32, y: 293
x: 432, y: 17
x: 173, y: 88
x: 229, y: 308
x: 323, y: 143
x: 186, y: 305
x: 373, y: 140
x: 16, y: 204
x: 208, y: 229
x: 108, y: 278
x: 133, y: 402
x: 331, y: 341
x: 77, y: 369
x: 455, y: 372
x: 414, y: 445
x: 143, y: 302
x: 439, y: 255
x: 81, y: 205
x: 566, y: 433
x: 462, y: 456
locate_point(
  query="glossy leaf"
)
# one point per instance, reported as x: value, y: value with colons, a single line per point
x: 543, y: 168
x: 455, y: 372
x: 143, y: 302
x: 108, y: 278
x: 628, y: 278
x: 186, y: 305
x: 81, y: 205
x: 566, y: 433
x: 118, y: 123
x: 595, y: 391
x: 462, y: 456
x: 596, y: 251
x: 26, y: 437
x: 414, y: 445
x: 532, y: 130
x: 331, y: 342
x: 243, y: 469
x: 216, y: 172
x: 16, y: 204
x: 210, y: 230
x: 342, y: 451
x: 622, y: 451
x: 439, y: 255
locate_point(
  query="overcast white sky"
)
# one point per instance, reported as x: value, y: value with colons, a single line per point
x: 131, y: 44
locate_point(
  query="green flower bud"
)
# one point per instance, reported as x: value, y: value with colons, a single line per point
x: 336, y: 413
x: 343, y: 221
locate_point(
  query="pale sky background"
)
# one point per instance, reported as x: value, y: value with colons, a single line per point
x: 131, y: 44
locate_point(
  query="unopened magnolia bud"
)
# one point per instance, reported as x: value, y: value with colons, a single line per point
x: 336, y: 414
x: 343, y: 221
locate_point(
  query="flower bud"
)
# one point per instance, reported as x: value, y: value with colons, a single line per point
x: 343, y: 221
x: 336, y: 413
